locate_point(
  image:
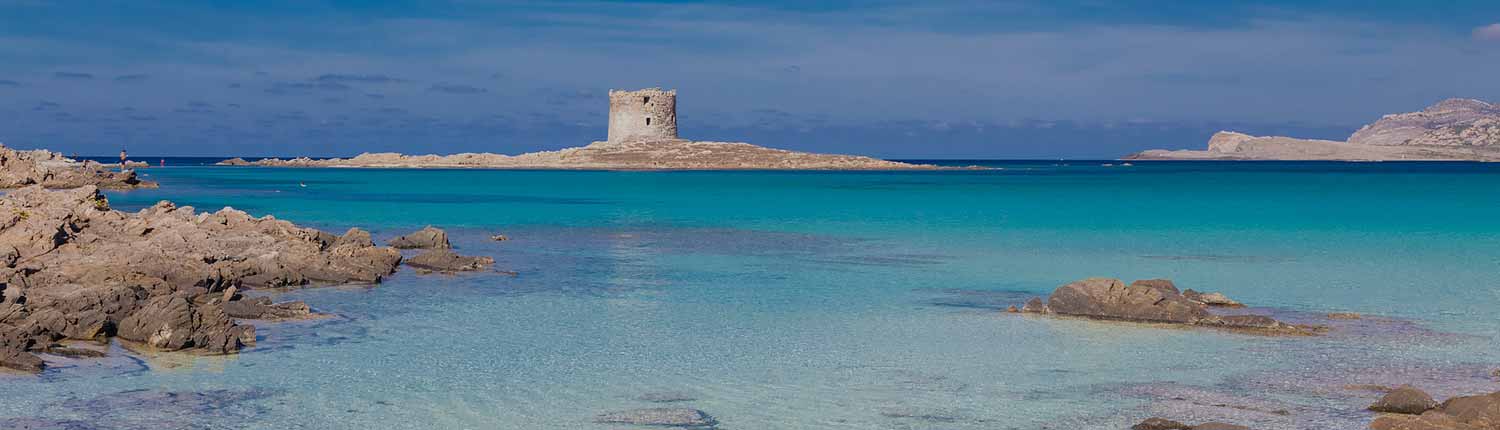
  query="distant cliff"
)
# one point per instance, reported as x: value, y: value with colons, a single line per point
x: 1454, y: 129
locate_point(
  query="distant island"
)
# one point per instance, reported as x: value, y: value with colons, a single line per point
x: 642, y: 136
x: 1452, y: 130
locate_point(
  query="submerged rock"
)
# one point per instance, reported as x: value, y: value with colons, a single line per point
x: 426, y: 238
x: 1404, y: 400
x: 1160, y: 424
x: 664, y: 417
x: 666, y: 397
x: 1151, y: 301
x: 447, y: 261
x: 261, y: 308
x: 1344, y: 316
x: 73, y: 268
x: 1481, y: 412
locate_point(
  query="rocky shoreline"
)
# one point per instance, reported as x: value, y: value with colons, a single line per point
x: 1154, y: 301
x: 630, y: 155
x: 166, y: 278
x: 52, y: 170
x: 1451, y: 130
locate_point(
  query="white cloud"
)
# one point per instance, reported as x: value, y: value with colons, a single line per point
x: 1490, y: 33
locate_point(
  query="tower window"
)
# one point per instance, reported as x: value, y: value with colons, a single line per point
x: 646, y: 99
x: 648, y: 121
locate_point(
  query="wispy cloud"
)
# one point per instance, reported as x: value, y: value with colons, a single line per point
x: 131, y: 79
x: 1488, y: 33
x: 455, y: 89
x: 73, y: 75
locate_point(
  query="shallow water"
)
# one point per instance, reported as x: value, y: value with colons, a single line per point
x: 826, y: 300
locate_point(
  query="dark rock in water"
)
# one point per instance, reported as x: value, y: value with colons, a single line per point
x: 1111, y: 299
x: 177, y: 322
x: 666, y: 397
x: 1405, y: 400
x: 1160, y: 424
x: 261, y: 308
x: 426, y: 238
x: 74, y: 352
x: 1481, y: 412
x: 18, y: 359
x: 922, y: 414
x: 1219, y: 426
x: 663, y: 417
x: 1152, y: 301
x: 1035, y: 306
x: 443, y: 260
x: 499, y: 238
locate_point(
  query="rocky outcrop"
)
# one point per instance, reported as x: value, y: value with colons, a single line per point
x: 1150, y: 301
x: 661, y: 417
x: 1452, y: 122
x: 1404, y: 400
x: 629, y: 155
x: 426, y: 238
x: 1454, y: 129
x: 165, y: 277
x: 447, y: 261
x: 1481, y: 412
x: 52, y: 170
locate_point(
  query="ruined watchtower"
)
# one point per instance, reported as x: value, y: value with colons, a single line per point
x: 649, y: 114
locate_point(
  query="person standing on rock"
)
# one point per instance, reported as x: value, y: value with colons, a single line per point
x: 122, y: 159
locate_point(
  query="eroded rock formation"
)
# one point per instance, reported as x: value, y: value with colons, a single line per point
x: 1480, y: 412
x: 1454, y: 129
x: 52, y: 170
x: 426, y: 238
x: 1150, y: 301
x: 165, y: 277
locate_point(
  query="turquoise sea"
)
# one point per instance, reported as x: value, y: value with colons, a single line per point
x: 837, y: 300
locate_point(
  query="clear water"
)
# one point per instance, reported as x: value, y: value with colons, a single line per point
x: 823, y: 300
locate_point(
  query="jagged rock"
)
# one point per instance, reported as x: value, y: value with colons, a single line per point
x: 17, y: 359
x: 52, y: 170
x: 1160, y: 424
x: 1404, y: 400
x: 1460, y: 122
x: 443, y: 260
x: 1112, y: 299
x: 261, y: 308
x: 426, y: 238
x: 177, y: 322
x: 75, y: 268
x: 664, y: 417
x: 1211, y: 299
x: 1481, y: 412
x: 1153, y: 301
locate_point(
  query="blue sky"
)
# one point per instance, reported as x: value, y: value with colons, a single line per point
x: 946, y: 79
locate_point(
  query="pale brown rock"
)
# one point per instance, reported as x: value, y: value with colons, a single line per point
x: 1344, y: 316
x: 52, y: 170
x: 163, y: 276
x: 1480, y: 412
x: 426, y: 238
x: 1155, y: 423
x: 447, y: 261
x: 1152, y: 301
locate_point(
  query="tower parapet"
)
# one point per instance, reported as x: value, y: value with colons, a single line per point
x: 648, y: 114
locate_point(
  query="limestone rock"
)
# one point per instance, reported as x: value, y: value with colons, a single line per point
x: 1152, y: 301
x: 426, y: 238
x: 663, y: 417
x: 443, y: 260
x: 52, y: 170
x: 165, y: 276
x: 1111, y: 299
x: 1461, y: 122
x: 1404, y: 400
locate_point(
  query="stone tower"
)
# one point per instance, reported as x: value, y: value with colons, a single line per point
x: 649, y: 114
